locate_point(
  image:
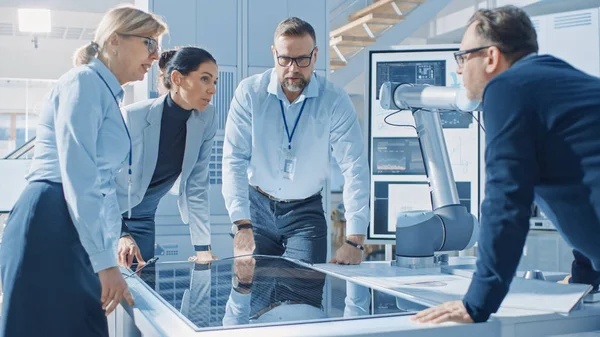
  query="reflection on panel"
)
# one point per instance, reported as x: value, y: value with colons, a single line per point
x: 234, y: 293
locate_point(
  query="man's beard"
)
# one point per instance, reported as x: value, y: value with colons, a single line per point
x: 294, y: 86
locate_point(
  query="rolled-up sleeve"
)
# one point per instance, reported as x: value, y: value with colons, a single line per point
x: 237, y: 148
x: 349, y: 151
x: 77, y: 123
x: 198, y: 187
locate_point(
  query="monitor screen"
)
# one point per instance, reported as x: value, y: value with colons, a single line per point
x: 398, y: 176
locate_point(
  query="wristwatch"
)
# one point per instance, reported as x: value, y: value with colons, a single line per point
x: 237, y: 285
x: 235, y: 228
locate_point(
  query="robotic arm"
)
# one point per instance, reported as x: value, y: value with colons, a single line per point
x: 449, y: 227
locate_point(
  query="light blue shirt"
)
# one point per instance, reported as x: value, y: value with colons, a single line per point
x: 82, y: 143
x: 256, y: 146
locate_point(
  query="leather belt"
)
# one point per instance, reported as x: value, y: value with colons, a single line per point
x: 273, y: 306
x: 280, y: 200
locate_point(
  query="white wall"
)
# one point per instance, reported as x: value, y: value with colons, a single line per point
x: 239, y: 33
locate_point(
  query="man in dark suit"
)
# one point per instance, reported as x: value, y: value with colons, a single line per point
x: 542, y: 119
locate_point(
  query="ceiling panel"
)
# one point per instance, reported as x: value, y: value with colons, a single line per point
x: 90, y: 6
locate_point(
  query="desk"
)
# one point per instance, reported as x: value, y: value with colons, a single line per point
x: 189, y: 299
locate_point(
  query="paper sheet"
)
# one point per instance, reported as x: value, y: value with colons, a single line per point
x: 431, y: 286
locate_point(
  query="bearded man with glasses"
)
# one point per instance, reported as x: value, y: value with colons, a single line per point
x: 281, y: 129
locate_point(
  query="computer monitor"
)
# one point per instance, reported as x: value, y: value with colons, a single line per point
x: 398, y: 179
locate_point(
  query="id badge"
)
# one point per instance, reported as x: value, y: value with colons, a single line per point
x: 289, y: 167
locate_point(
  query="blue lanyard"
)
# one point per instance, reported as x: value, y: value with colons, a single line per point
x: 287, y: 130
x: 123, y: 119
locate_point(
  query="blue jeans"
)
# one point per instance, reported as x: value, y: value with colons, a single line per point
x: 297, y: 230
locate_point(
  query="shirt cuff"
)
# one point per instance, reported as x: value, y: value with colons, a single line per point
x: 239, y: 214
x: 353, y: 228
x: 240, y: 300
x: 483, y: 299
x: 104, y: 260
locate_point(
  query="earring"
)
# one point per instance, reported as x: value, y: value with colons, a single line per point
x: 115, y: 52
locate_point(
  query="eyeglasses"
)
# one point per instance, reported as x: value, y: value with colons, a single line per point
x: 151, y: 42
x: 459, y: 56
x: 301, y: 62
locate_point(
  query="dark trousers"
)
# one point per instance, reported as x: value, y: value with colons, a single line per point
x: 143, y: 232
x: 50, y: 288
x: 297, y: 229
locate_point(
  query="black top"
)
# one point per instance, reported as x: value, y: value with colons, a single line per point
x: 171, y: 149
x: 542, y: 120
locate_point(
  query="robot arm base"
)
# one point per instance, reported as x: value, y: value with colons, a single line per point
x: 422, y: 233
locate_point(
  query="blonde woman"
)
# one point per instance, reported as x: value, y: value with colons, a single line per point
x: 58, y: 257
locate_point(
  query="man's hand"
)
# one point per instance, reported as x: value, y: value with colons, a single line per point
x: 243, y: 267
x: 243, y: 242
x: 127, y: 250
x: 565, y: 280
x: 454, y: 311
x: 348, y: 254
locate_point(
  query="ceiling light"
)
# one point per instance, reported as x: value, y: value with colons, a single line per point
x: 34, y: 20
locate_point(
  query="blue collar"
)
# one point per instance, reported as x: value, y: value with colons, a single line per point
x: 108, y: 76
x: 311, y: 90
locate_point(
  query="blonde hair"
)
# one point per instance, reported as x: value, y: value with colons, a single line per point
x: 125, y: 20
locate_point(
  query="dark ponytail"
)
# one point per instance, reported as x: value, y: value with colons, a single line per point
x: 163, y: 61
x: 185, y: 60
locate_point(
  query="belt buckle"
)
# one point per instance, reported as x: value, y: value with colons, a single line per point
x: 260, y: 190
x: 273, y: 198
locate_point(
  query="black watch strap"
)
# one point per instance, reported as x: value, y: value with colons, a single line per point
x: 356, y: 245
x: 238, y: 285
x: 201, y: 266
x: 244, y: 226
x: 202, y: 248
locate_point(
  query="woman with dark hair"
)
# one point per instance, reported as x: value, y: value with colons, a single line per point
x: 172, y: 138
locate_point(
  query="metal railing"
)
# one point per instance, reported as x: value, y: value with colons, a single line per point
x: 338, y: 16
x: 25, y: 151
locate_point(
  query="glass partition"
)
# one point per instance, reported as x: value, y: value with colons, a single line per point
x: 20, y: 103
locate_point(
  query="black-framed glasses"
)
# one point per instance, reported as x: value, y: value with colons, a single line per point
x: 301, y: 61
x: 151, y: 42
x: 459, y: 56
